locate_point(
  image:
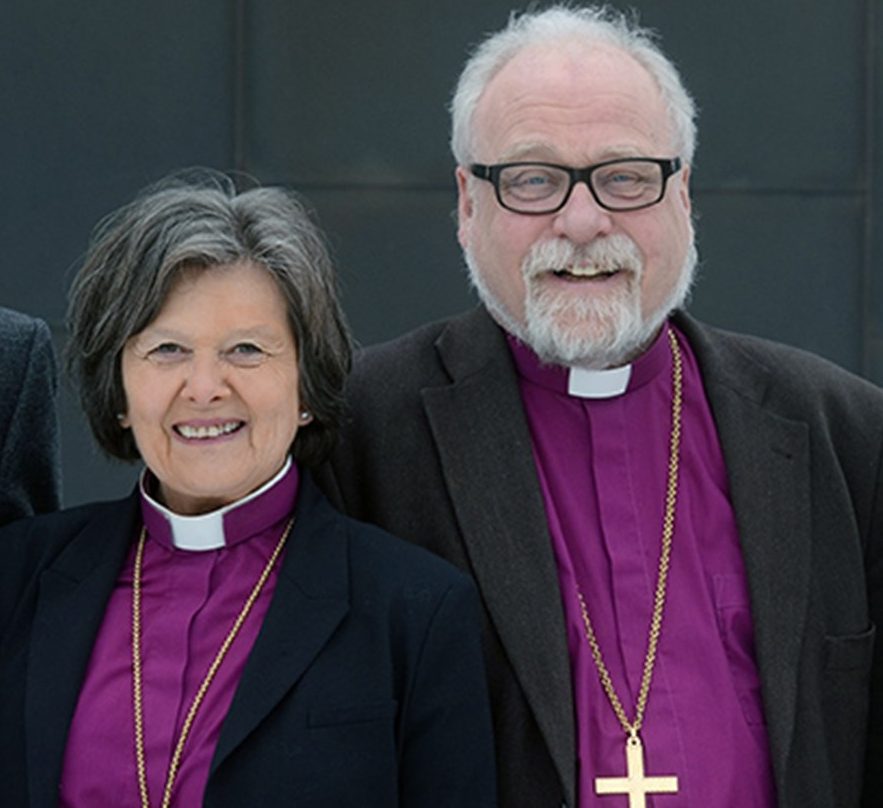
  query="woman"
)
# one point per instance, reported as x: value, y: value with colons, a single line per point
x: 222, y: 637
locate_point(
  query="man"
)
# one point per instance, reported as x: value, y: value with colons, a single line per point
x: 30, y: 471
x: 676, y: 531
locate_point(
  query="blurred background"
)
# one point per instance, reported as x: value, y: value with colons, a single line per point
x: 347, y: 103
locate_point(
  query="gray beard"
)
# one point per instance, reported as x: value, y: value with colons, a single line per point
x: 593, y: 333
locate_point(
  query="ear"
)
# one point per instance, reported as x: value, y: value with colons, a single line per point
x: 123, y: 420
x: 684, y: 189
x: 465, y: 206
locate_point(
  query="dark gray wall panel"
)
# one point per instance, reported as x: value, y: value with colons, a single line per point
x: 88, y: 474
x: 99, y: 99
x: 346, y: 94
x: 394, y: 281
x: 795, y: 282
x: 766, y: 76
x: 780, y: 86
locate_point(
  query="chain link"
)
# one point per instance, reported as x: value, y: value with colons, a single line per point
x: 137, y: 692
x: 632, y: 728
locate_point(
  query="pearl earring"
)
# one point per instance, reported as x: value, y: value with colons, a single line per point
x: 305, y: 415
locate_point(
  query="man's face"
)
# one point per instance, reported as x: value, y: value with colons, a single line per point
x: 583, y: 285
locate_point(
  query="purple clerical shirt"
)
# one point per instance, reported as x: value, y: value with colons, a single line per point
x: 602, y: 466
x: 190, y: 598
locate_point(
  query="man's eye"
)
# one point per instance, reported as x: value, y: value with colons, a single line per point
x: 623, y: 177
x: 532, y: 179
x: 530, y: 184
x: 529, y: 179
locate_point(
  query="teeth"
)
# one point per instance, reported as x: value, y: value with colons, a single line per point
x: 587, y: 271
x: 203, y: 432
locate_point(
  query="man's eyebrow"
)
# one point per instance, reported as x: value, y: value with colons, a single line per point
x: 543, y: 152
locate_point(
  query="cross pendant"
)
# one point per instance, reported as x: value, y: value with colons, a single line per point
x: 635, y: 783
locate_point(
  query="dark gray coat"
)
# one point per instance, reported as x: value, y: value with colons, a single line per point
x: 436, y: 449
x: 30, y: 474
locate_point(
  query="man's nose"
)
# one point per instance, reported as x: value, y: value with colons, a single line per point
x: 582, y: 219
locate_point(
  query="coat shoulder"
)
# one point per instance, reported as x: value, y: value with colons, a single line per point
x: 795, y: 377
x: 392, y: 562
x: 32, y: 544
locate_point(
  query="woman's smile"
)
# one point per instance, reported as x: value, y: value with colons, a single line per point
x: 208, y: 431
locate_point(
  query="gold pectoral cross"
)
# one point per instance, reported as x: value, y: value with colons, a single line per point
x: 635, y: 783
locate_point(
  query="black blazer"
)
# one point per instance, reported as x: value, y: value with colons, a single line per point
x: 437, y: 450
x: 364, y: 687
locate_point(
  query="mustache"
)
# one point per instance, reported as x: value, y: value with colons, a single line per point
x: 606, y: 254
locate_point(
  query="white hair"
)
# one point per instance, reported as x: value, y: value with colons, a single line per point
x: 592, y: 25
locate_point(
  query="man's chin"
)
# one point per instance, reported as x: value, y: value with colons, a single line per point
x: 569, y: 330
x: 595, y: 344
x: 591, y: 354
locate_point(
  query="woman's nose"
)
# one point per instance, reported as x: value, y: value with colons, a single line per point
x: 205, y: 380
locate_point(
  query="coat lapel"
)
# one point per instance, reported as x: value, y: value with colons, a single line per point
x: 481, y: 434
x: 768, y: 463
x: 72, y: 598
x: 310, y: 601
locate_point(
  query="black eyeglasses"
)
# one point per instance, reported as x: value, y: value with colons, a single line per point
x: 538, y: 188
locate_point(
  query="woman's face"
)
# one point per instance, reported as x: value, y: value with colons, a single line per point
x: 212, y: 387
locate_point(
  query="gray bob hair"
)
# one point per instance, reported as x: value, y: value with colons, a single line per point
x: 198, y: 220
x: 591, y: 25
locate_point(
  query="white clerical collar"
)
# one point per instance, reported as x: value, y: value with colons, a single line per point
x: 610, y: 383
x: 205, y: 531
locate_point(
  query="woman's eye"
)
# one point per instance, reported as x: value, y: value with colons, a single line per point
x: 246, y: 353
x: 167, y: 351
x: 246, y: 347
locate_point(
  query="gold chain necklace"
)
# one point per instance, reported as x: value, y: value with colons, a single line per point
x: 635, y: 783
x: 175, y: 762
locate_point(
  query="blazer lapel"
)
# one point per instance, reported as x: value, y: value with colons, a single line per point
x: 310, y: 601
x: 768, y: 462
x: 72, y: 598
x: 482, y: 435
